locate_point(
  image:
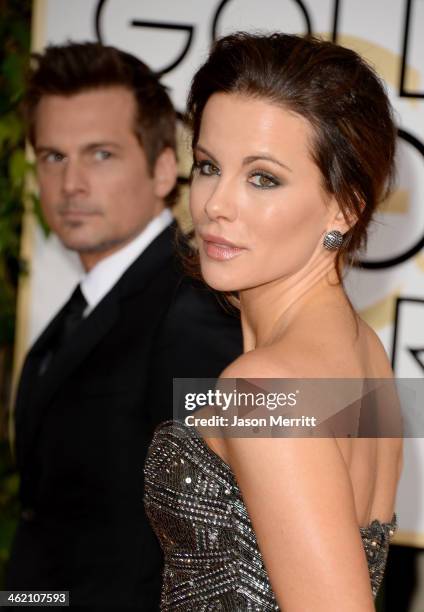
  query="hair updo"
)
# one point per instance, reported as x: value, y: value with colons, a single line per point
x: 333, y: 88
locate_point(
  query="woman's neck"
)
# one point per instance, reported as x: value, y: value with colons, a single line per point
x: 269, y: 309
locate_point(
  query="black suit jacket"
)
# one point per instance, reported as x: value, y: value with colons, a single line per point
x: 84, y: 426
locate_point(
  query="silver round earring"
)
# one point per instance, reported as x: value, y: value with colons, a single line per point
x: 333, y: 240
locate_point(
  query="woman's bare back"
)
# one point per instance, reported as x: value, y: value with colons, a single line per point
x: 374, y: 463
x: 329, y: 341
x: 341, y: 345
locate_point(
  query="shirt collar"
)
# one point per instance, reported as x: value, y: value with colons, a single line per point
x: 96, y: 283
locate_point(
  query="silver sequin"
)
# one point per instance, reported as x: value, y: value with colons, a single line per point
x: 212, y: 560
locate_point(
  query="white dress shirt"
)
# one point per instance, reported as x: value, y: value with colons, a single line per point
x: 105, y: 274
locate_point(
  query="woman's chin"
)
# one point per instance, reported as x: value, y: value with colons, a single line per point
x: 218, y: 283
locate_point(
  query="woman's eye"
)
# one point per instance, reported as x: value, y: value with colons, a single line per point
x: 101, y: 155
x: 206, y: 168
x: 264, y: 181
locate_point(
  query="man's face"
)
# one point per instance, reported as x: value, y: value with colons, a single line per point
x: 96, y: 190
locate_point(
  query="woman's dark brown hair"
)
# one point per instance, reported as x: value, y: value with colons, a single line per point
x: 336, y: 91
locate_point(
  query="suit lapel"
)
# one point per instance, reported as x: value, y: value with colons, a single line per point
x: 89, y: 332
x: 30, y: 382
x: 36, y: 392
x: 44, y: 340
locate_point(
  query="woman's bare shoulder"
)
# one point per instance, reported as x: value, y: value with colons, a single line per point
x: 378, y: 364
x: 263, y: 362
x: 290, y: 357
x: 324, y: 348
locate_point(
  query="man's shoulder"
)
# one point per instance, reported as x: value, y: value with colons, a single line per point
x: 194, y: 302
x: 158, y: 264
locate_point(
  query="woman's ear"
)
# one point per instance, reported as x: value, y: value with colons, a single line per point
x: 165, y: 173
x: 344, y: 221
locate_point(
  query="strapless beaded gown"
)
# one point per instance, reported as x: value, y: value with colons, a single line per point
x: 212, y: 560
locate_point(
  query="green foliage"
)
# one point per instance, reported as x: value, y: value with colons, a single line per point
x: 14, y: 36
x: 8, y: 505
x: 14, y: 56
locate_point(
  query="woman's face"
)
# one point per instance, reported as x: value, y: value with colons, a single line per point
x: 257, y: 203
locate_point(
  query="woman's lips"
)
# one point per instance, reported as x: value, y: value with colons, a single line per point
x: 220, y: 249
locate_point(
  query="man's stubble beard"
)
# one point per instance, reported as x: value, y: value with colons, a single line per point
x: 85, y: 245
x: 93, y: 246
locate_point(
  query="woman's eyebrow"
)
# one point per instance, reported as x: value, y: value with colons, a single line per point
x: 205, y: 151
x: 252, y: 158
x: 247, y: 160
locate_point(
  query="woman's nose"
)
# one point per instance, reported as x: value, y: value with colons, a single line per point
x: 221, y: 203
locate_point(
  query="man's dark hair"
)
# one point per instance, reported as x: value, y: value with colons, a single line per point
x: 73, y: 68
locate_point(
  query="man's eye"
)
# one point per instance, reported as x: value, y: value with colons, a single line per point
x: 54, y: 158
x: 101, y: 155
x: 264, y: 181
x: 206, y: 168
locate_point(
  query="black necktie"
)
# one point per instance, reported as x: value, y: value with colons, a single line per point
x: 71, y: 317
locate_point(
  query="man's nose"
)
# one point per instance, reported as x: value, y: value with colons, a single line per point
x: 74, y: 178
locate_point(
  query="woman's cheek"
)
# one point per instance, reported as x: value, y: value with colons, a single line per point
x: 197, y: 200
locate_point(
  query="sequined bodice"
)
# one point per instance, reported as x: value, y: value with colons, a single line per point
x: 212, y: 560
